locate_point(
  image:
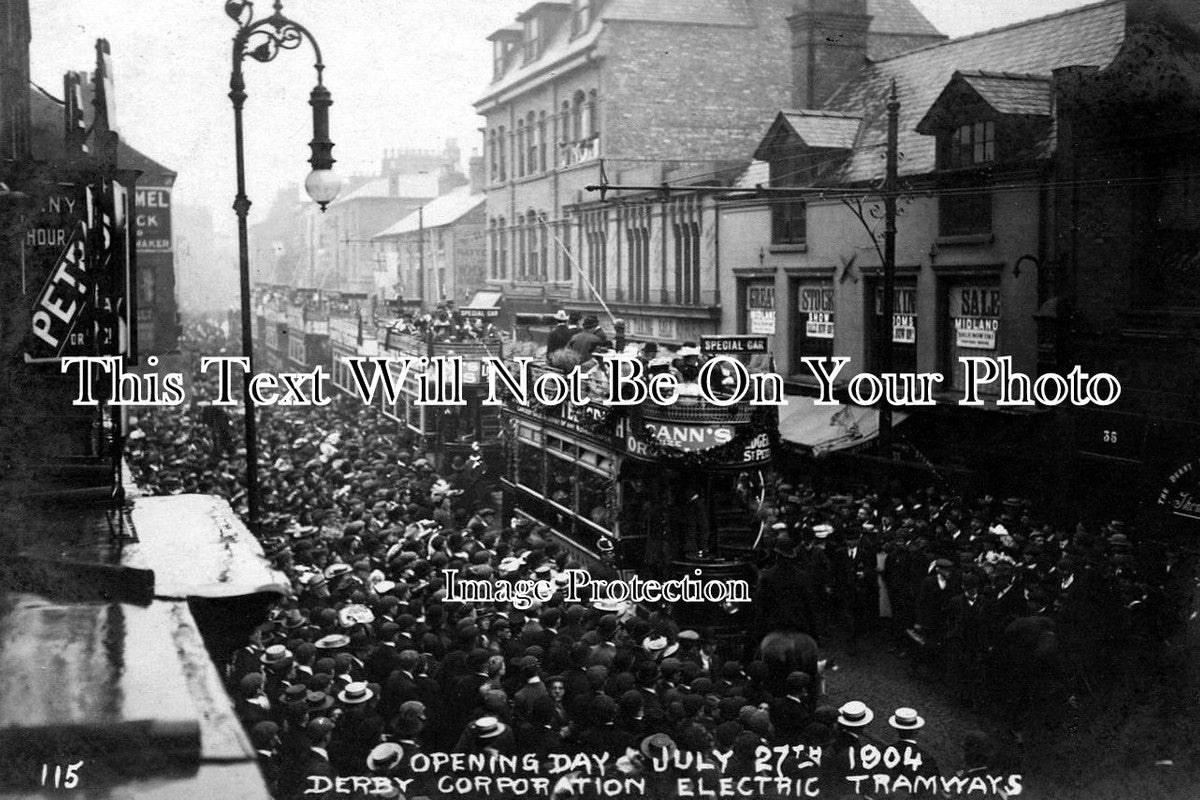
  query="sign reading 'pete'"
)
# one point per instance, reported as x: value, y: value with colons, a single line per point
x: 152, y: 205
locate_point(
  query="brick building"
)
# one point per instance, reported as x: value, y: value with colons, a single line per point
x: 438, y: 252
x: 1048, y: 219
x: 640, y: 92
x: 1124, y: 262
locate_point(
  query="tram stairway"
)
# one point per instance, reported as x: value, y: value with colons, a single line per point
x: 736, y: 530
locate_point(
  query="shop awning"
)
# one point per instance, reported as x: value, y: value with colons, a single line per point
x: 828, y: 429
x: 198, y: 547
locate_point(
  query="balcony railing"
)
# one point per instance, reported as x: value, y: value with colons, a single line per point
x: 571, y: 153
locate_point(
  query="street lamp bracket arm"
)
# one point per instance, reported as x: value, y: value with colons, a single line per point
x: 263, y: 40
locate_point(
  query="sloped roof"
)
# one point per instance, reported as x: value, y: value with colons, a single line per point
x: 1011, y: 93
x: 899, y: 16
x: 890, y: 17
x: 410, y: 186
x: 824, y: 129
x: 444, y: 210
x: 692, y: 12
x: 46, y: 140
x: 1090, y: 35
x: 1006, y: 93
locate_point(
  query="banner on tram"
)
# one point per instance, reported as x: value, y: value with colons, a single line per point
x: 732, y: 345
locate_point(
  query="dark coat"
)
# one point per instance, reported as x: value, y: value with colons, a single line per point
x: 560, y: 337
x: 784, y: 599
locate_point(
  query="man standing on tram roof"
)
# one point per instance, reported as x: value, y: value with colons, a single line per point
x: 560, y: 334
x: 586, y: 341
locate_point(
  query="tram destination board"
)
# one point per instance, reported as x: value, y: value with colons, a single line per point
x: 717, y: 345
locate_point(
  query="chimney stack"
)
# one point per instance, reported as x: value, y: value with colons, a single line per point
x: 475, y: 172
x: 829, y: 44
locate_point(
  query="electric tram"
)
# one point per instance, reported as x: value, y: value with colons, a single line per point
x: 448, y: 431
x: 656, y: 490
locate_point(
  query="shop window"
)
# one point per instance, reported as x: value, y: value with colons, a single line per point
x: 759, y: 309
x: 814, y: 322
x: 903, y: 329
x: 974, y: 327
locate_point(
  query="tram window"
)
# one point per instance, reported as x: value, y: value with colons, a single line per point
x: 593, y: 498
x: 531, y: 468
x: 561, y: 482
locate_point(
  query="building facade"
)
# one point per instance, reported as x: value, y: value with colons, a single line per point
x: 635, y: 93
x: 1046, y: 217
x: 438, y: 252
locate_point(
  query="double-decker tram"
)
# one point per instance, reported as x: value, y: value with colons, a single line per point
x: 657, y: 491
x: 449, y: 431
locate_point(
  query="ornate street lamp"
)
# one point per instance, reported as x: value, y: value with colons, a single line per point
x: 263, y: 40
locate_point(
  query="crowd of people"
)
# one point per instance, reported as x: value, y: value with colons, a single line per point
x: 446, y: 323
x: 1017, y: 613
x: 367, y: 665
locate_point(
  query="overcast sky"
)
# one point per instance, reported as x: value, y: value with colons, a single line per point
x: 403, y: 74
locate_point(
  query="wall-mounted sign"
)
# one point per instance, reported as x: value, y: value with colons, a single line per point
x: 816, y: 302
x: 975, y: 311
x: 480, y: 313
x: 152, y: 205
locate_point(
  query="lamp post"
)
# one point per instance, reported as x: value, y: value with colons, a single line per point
x: 263, y: 40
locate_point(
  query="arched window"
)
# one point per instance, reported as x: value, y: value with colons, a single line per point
x: 592, y: 127
x: 502, y: 141
x: 535, y: 235
x: 577, y: 116
x: 520, y: 149
x: 492, y: 165
x: 521, y: 248
x: 541, y: 141
x: 502, y: 240
x: 531, y: 143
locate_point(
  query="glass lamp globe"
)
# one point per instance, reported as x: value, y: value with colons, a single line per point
x: 323, y: 186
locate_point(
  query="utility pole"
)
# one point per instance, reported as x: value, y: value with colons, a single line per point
x: 421, y: 255
x: 891, y: 187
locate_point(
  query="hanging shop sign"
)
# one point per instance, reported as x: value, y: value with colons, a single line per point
x: 976, y: 314
x: 816, y: 303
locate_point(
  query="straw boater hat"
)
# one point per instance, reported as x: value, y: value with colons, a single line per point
x: 855, y: 714
x: 333, y: 641
x: 906, y: 719
x: 822, y: 531
x: 385, y: 756
x: 656, y: 745
x: 355, y: 693
x: 276, y: 654
x: 488, y: 727
x: 334, y: 570
x: 562, y: 316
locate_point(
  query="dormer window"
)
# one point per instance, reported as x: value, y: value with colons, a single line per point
x: 971, y: 145
x: 533, y: 38
x: 797, y: 147
x: 581, y: 16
